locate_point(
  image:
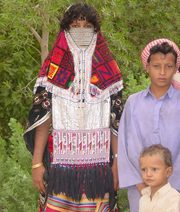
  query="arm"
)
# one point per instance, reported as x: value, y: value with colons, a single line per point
x: 114, y: 140
x: 129, y: 146
x: 116, y: 111
x: 41, y: 138
x: 140, y: 186
x: 174, y: 178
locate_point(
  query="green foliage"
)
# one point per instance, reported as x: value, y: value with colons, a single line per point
x: 128, y: 26
x: 133, y: 86
x: 17, y: 190
x: 122, y: 201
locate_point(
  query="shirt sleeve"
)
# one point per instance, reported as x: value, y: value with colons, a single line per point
x: 173, y: 204
x: 128, y: 157
x: 116, y: 111
x: 174, y: 179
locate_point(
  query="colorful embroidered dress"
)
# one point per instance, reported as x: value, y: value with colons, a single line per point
x: 76, y: 86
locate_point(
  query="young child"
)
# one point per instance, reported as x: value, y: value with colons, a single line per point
x: 151, y: 117
x: 156, y: 168
x: 77, y: 89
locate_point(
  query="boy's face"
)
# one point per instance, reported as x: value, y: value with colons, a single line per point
x: 161, y: 69
x: 154, y: 172
x: 81, y: 23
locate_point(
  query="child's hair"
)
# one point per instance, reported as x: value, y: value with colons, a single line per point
x: 164, y: 48
x: 158, y: 149
x: 81, y: 11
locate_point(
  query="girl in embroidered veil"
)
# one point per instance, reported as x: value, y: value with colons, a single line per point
x: 74, y: 118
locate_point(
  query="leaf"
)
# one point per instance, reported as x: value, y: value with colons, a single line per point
x: 17, y: 191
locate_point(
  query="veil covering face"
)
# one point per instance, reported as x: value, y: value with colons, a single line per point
x: 103, y: 76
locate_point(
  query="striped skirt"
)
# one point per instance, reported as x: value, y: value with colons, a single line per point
x: 64, y: 204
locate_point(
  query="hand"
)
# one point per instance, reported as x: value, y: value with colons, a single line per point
x: 140, y: 186
x: 37, y: 176
x: 115, y: 174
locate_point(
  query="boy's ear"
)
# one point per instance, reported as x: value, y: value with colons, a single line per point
x: 147, y: 68
x: 169, y: 171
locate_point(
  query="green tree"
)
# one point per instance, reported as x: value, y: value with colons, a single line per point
x: 28, y: 29
x: 17, y: 191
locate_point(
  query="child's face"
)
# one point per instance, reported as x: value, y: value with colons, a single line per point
x: 81, y: 23
x: 161, y: 69
x: 154, y: 172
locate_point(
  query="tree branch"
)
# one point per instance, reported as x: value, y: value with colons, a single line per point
x: 34, y: 48
x: 36, y: 34
x: 32, y: 57
x: 18, y: 91
x: 145, y: 30
x: 45, y: 39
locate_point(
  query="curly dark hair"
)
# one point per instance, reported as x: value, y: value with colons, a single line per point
x: 164, y: 48
x: 82, y: 11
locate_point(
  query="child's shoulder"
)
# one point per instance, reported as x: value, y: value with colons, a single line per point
x: 137, y: 96
x: 176, y: 96
x: 172, y: 196
x: 172, y: 192
x: 177, y: 91
x: 175, y: 192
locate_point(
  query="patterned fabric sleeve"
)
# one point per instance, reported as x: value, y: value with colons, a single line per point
x: 116, y: 111
x: 39, y: 113
x: 40, y: 107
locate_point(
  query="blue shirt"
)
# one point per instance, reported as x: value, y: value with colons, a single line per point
x: 146, y: 121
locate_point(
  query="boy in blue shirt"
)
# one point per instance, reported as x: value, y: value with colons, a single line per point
x: 151, y: 117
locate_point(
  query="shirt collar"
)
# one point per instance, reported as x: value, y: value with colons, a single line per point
x: 161, y: 192
x: 146, y: 190
x: 147, y: 91
x: 170, y: 91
